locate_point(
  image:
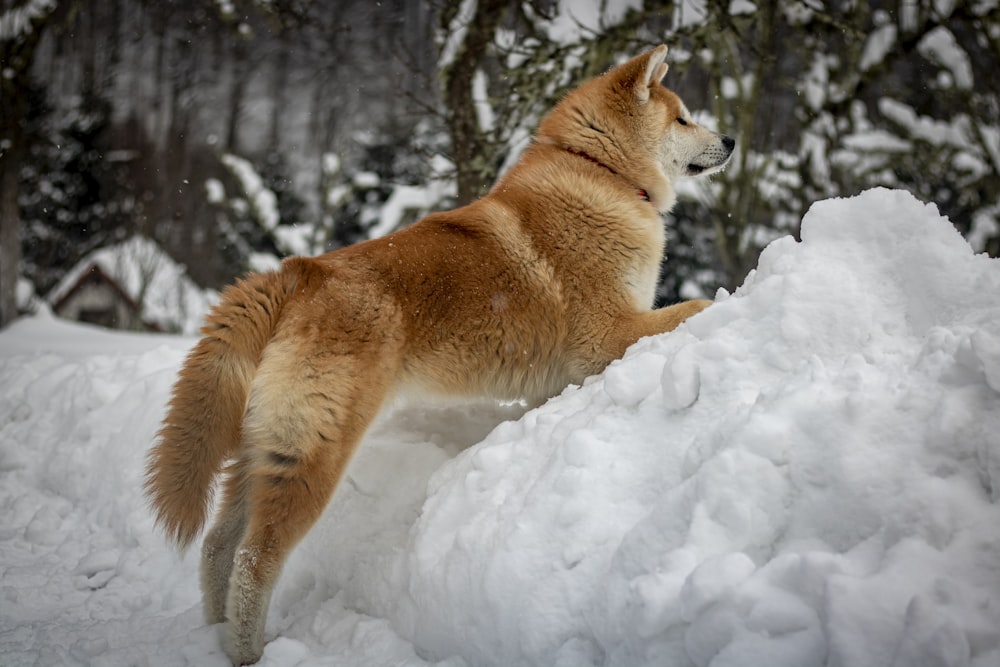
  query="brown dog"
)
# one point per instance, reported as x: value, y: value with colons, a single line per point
x: 539, y: 284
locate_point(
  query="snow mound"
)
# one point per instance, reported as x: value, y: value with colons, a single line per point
x: 806, y: 473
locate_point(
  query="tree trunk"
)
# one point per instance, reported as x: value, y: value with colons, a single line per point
x: 17, y: 52
x: 240, y: 73
x: 469, y: 149
x: 279, y: 91
x: 10, y: 220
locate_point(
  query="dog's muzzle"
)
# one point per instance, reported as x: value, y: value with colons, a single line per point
x: 714, y: 158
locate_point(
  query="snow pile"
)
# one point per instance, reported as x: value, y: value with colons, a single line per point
x: 807, y: 473
x: 802, y: 476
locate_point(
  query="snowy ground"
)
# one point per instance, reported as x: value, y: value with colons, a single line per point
x: 807, y: 473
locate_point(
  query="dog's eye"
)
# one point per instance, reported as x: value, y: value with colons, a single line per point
x: 682, y: 121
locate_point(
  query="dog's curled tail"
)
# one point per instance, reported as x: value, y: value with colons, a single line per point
x: 205, y: 413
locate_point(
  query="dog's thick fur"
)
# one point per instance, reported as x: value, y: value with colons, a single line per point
x: 539, y: 284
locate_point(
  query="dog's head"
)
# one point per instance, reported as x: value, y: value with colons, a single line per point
x: 627, y: 120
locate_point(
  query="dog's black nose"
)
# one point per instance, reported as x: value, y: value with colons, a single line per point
x: 728, y: 142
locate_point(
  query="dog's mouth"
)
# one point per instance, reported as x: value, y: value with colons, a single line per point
x: 714, y: 158
x: 717, y: 164
x: 695, y: 169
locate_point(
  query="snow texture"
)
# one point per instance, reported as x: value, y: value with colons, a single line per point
x: 590, y: 16
x: 451, y: 48
x: 15, y: 23
x: 406, y: 199
x: 807, y: 473
x: 263, y: 201
x: 940, y: 46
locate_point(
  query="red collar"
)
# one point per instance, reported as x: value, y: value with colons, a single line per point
x: 639, y: 191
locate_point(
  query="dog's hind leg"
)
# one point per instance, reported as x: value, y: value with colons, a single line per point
x: 309, y: 407
x: 220, y: 544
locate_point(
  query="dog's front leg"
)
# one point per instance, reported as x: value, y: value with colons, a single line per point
x: 630, y: 327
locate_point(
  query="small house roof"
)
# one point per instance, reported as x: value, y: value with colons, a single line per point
x: 147, y: 278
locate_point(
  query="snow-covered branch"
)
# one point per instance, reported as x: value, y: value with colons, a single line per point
x: 20, y: 21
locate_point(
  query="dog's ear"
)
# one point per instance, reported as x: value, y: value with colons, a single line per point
x: 653, y: 71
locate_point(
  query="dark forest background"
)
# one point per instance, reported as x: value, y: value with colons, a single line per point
x: 234, y: 130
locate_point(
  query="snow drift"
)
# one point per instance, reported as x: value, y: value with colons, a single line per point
x: 806, y: 473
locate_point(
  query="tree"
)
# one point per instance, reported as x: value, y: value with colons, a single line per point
x: 75, y: 194
x: 21, y: 27
x: 469, y: 144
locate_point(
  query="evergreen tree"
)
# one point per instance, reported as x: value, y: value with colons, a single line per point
x: 21, y: 27
x: 70, y: 201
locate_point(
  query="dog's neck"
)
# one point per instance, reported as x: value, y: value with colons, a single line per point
x: 639, y: 191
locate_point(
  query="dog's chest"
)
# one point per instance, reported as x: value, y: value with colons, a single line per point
x: 641, y: 274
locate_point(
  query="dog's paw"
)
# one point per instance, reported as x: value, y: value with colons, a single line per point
x: 689, y: 308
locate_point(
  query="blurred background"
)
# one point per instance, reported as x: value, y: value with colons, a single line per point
x: 153, y: 150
